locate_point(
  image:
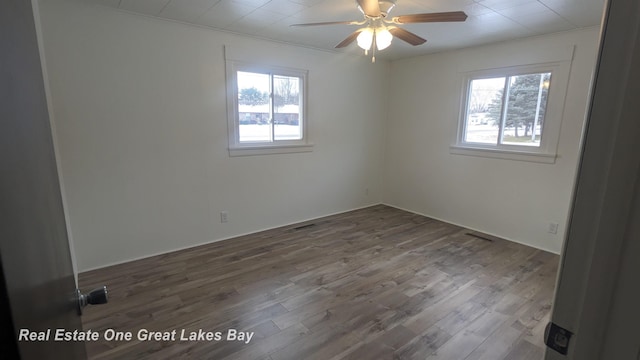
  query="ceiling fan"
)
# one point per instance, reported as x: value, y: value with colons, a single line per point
x: 379, y: 30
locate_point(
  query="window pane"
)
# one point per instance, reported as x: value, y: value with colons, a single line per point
x: 253, y: 107
x: 286, y: 108
x: 483, y: 111
x: 526, y: 106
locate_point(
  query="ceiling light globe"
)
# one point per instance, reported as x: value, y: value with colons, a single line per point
x: 365, y: 39
x: 383, y: 38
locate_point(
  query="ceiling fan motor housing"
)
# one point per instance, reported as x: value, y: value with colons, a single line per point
x: 385, y: 7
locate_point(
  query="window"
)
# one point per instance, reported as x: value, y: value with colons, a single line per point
x: 266, y: 109
x: 507, y: 110
x: 512, y: 112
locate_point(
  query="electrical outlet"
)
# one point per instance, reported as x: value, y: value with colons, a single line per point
x: 366, y: 191
x: 553, y: 228
x: 224, y: 216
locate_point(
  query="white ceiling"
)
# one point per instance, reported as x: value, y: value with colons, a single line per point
x: 488, y: 21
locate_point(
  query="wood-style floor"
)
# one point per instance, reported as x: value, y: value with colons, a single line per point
x: 376, y: 283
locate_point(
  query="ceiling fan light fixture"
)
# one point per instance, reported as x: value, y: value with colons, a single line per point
x: 383, y: 38
x: 365, y: 39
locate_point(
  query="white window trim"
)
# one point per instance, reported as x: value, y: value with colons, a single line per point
x: 547, y: 151
x: 237, y: 148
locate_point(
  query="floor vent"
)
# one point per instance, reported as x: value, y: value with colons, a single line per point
x: 304, y: 226
x: 479, y: 237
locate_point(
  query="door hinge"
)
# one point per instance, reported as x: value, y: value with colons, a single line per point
x: 557, y: 338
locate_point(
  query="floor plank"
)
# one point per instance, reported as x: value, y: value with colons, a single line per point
x: 375, y: 283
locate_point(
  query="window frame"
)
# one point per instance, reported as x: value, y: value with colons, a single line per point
x: 238, y: 148
x: 550, y: 131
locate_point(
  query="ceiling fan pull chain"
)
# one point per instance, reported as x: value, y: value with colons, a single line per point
x: 373, y: 48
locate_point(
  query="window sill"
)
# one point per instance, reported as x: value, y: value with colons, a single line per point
x: 269, y: 149
x: 503, y: 154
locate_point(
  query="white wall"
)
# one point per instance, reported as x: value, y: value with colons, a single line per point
x: 515, y: 200
x: 141, y: 124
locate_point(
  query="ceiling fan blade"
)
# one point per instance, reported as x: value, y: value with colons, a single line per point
x: 407, y: 36
x: 330, y: 23
x: 370, y: 8
x: 349, y: 39
x: 430, y: 17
